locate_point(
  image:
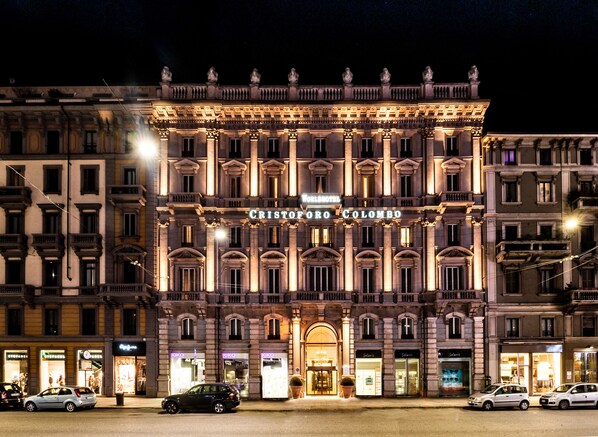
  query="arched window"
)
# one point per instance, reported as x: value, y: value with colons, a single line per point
x: 454, y: 327
x: 235, y: 329
x: 273, y: 329
x: 368, y: 329
x: 407, y: 328
x: 187, y: 329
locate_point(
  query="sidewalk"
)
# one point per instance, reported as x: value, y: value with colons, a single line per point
x: 312, y: 403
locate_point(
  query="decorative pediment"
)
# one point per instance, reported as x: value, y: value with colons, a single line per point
x: 407, y: 166
x: 234, y: 168
x: 273, y: 167
x: 320, y: 167
x: 186, y: 167
x: 367, y: 166
x: 186, y: 254
x: 455, y: 252
x: 367, y: 255
x: 453, y: 165
x: 321, y: 254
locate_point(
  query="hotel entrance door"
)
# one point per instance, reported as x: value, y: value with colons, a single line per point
x: 321, y: 357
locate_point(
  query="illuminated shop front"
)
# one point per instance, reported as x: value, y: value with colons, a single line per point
x: 275, y: 384
x: 368, y: 373
x: 129, y: 367
x: 90, y: 370
x: 407, y: 372
x: 16, y: 368
x: 537, y: 367
x: 585, y: 366
x: 186, y: 370
x: 52, y: 368
x: 236, y: 371
x: 454, y: 366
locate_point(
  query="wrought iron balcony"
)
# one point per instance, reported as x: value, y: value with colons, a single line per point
x: 122, y: 293
x: 529, y: 250
x: 13, y: 244
x: 15, y: 197
x: 49, y: 245
x: 127, y: 195
x: 580, y: 298
x: 87, y: 244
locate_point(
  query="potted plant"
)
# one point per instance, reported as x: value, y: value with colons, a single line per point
x: 347, y: 384
x: 296, y: 384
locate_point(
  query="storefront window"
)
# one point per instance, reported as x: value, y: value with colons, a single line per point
x: 274, y: 376
x: 368, y: 373
x: 547, y: 371
x: 455, y: 372
x: 186, y: 370
x: 514, y: 367
x: 236, y: 371
x: 52, y: 368
x: 16, y: 368
x: 90, y: 369
x: 585, y: 367
x: 407, y: 373
x: 124, y: 374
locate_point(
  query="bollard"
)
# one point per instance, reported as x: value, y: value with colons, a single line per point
x: 120, y: 399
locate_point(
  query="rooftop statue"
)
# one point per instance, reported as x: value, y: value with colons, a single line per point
x: 255, y: 77
x: 166, y: 74
x: 385, y: 76
x: 473, y: 74
x: 347, y: 76
x: 212, y: 75
x: 427, y: 74
x: 293, y: 77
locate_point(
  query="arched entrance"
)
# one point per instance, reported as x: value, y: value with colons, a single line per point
x: 321, y: 358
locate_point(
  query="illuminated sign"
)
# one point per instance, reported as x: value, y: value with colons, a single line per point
x: 10, y: 356
x: 276, y: 214
x: 320, y: 199
x: 130, y: 348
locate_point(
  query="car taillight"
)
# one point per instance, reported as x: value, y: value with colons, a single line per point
x: 3, y: 395
x: 231, y: 396
x: 77, y: 393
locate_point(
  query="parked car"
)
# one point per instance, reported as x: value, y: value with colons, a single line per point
x: 218, y: 397
x: 68, y: 398
x: 580, y: 394
x: 500, y: 396
x: 10, y: 395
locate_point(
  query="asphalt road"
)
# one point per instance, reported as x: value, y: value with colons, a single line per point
x: 360, y: 422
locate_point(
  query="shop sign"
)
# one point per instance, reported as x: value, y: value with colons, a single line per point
x: 16, y: 356
x: 297, y: 214
x: 454, y: 353
x: 368, y: 354
x: 53, y: 356
x: 130, y: 348
x: 407, y: 354
x: 88, y: 355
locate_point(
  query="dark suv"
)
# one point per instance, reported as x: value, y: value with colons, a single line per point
x: 10, y: 395
x: 218, y: 397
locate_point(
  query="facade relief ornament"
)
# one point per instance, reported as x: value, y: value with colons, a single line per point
x: 212, y: 134
x: 163, y: 133
x: 477, y: 221
x: 476, y: 132
x: 386, y: 134
x: 427, y: 132
x: 348, y: 134
x: 292, y: 134
x: 254, y: 135
x: 427, y: 222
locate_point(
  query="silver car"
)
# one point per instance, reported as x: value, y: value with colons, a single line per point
x: 581, y: 394
x: 500, y: 396
x: 67, y: 398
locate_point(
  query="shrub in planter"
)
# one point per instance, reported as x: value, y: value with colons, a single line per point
x: 347, y: 381
x: 296, y: 381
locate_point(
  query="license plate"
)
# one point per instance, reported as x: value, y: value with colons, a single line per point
x: 15, y: 395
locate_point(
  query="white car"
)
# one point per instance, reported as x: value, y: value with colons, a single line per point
x: 581, y: 394
x: 66, y: 398
x: 500, y: 396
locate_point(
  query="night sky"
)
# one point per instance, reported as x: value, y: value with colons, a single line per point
x: 537, y: 58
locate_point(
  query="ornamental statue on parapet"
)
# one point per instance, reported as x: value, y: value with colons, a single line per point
x: 166, y: 74
x: 293, y: 77
x: 347, y: 76
x: 212, y: 75
x: 427, y: 74
x: 385, y: 76
x: 255, y: 77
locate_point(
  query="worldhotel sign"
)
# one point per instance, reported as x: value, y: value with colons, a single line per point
x: 322, y: 201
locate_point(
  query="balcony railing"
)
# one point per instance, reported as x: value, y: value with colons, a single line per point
x: 458, y: 295
x: 87, y: 244
x: 585, y: 296
x: 183, y: 296
x: 118, y: 292
x: 320, y: 296
x: 15, y: 197
x: 13, y: 243
x: 18, y: 292
x: 49, y: 244
x: 529, y: 249
x: 127, y: 195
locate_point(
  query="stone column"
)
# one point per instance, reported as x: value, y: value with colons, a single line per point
x: 163, y: 383
x: 254, y: 260
x: 293, y: 163
x: 253, y: 165
x: 478, y: 353
x: 211, y: 163
x: 388, y: 359
x: 428, y: 134
x: 297, y: 340
x: 431, y: 367
x: 211, y: 274
x: 348, y: 163
x: 430, y: 248
x: 387, y: 227
x: 346, y: 342
x: 255, y: 361
x: 386, y: 138
x: 348, y: 224
x: 478, y: 256
x: 476, y: 135
x: 293, y: 266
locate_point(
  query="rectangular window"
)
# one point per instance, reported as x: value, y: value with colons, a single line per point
x: 235, y: 281
x: 321, y: 236
x: 512, y: 327
x: 545, y: 156
x: 89, y: 180
x: 320, y: 148
x: 511, y: 232
x: 188, y: 183
x: 407, y: 331
x: 509, y: 157
x: 547, y: 327
x: 321, y: 184
x: 405, y: 148
x: 15, y: 176
x: 15, y: 222
x: 586, y: 238
x: 273, y: 236
x: 51, y: 273
x: 545, y: 232
x: 586, y: 188
x: 130, y: 224
x: 588, y: 278
x: 547, y: 280
x: 452, y: 182
x: 187, y: 236
x: 588, y: 326
x: 369, y: 329
x: 585, y: 156
x: 406, y: 280
x: 236, y: 332
x: 367, y: 148
x: 452, y: 148
x: 320, y: 278
x: 234, y: 148
x: 52, y: 142
x: 453, y: 278
x: 88, y: 279
x: 130, y: 176
x: 273, y: 148
x: 188, y: 148
x: 235, y: 187
x: 367, y: 236
x: 52, y: 179
x: 88, y: 321
x: 187, y: 329
x: 16, y: 143
x: 274, y: 280
x: 512, y: 281
x: 368, y: 280
x: 454, y: 327
x: 510, y: 192
x: 235, y: 236
x: 452, y: 234
x: 188, y: 279
x: 14, y: 320
x: 15, y: 272
x: 51, y: 222
x: 89, y: 222
x: 273, y: 329
x: 51, y: 321
x: 273, y: 191
x: 406, y: 186
x: 91, y: 141
x: 129, y: 324
x: 406, y: 238
x: 545, y: 194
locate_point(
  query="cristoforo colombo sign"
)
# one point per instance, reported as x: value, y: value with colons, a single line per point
x: 322, y: 201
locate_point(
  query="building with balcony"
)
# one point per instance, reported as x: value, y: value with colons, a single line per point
x: 542, y: 292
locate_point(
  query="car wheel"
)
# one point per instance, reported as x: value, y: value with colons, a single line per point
x: 219, y: 407
x: 524, y: 405
x: 70, y: 407
x: 487, y: 406
x: 171, y: 408
x: 563, y: 405
x: 30, y: 406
